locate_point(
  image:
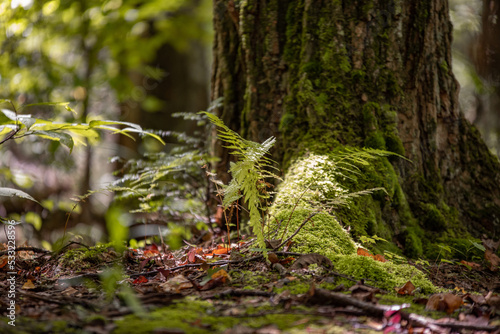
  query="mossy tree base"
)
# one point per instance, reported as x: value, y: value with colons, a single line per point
x: 320, y: 76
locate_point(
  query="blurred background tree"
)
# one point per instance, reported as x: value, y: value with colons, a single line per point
x: 129, y: 60
x: 476, y: 64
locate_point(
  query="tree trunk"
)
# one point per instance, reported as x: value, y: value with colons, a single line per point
x: 322, y: 74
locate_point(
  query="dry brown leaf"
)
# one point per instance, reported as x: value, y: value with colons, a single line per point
x: 407, y: 289
x: 28, y: 285
x: 222, y: 273
x: 444, y: 302
x: 273, y: 257
x: 493, y: 259
x: 493, y: 300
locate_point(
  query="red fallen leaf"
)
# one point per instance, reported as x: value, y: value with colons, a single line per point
x: 472, y: 265
x: 151, y: 252
x: 152, y: 247
x: 444, y: 302
x: 3, y: 261
x: 287, y: 260
x: 493, y: 259
x: 407, y: 289
x: 364, y: 252
x: 140, y: 279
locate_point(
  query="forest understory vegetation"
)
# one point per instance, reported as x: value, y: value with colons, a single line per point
x: 247, y: 254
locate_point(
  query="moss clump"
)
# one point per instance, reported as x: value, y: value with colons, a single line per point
x: 386, y: 275
x: 433, y: 218
x: 200, y: 317
x: 322, y: 234
x: 413, y: 242
x: 83, y: 258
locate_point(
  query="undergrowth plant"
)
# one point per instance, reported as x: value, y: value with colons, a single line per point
x: 248, y: 173
x: 15, y: 125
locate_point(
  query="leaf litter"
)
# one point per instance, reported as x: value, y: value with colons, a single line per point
x: 243, y: 290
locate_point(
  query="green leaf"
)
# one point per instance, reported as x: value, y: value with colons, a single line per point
x: 27, y: 121
x: 97, y: 123
x: 9, y: 114
x: 11, y: 192
x: 62, y: 137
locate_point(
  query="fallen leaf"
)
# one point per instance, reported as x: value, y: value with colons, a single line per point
x: 140, y: 279
x: 364, y: 252
x: 222, y: 273
x: 407, y: 289
x: 493, y: 259
x: 273, y: 257
x: 472, y: 265
x: 444, y: 302
x: 490, y: 244
x: 3, y: 261
x: 287, y: 260
x: 476, y: 299
x: 492, y: 300
x: 380, y: 258
x: 28, y: 285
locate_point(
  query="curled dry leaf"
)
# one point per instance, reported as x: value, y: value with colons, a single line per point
x: 273, y: 257
x: 407, y: 289
x: 444, y: 302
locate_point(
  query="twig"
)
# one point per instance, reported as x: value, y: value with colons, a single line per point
x: 298, y: 229
x: 291, y: 213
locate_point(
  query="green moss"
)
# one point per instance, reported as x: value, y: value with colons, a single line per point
x: 25, y: 325
x: 413, y: 242
x: 295, y: 287
x: 393, y: 143
x: 248, y: 279
x: 82, y: 258
x: 322, y: 234
x: 375, y: 140
x: 433, y: 218
x: 195, y: 316
x: 385, y: 275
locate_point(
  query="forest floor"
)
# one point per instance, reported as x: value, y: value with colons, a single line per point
x: 206, y: 290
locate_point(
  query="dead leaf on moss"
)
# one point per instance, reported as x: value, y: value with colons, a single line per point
x: 407, y: 289
x: 444, y: 302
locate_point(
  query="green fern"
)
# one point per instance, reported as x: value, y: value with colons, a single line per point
x: 248, y: 175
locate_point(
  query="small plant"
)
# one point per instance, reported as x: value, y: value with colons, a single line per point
x: 249, y: 174
x: 17, y: 126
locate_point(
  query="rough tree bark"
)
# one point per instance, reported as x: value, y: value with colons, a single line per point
x: 377, y: 73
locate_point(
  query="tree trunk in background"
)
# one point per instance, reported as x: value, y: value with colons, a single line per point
x: 487, y: 61
x: 366, y: 74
